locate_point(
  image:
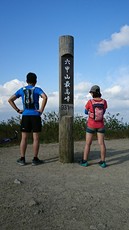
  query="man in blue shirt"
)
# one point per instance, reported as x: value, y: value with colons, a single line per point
x: 31, y: 115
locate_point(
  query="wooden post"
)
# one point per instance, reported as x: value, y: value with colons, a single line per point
x: 66, y: 98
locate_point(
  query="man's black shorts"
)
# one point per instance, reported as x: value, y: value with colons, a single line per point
x: 31, y: 123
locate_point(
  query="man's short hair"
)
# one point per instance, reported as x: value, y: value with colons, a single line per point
x: 31, y: 78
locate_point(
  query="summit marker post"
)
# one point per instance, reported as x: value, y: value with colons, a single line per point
x: 66, y: 98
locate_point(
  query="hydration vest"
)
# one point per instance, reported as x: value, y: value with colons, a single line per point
x: 29, y: 98
x: 98, y: 110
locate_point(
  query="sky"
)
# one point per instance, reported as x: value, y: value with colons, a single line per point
x: 29, y: 42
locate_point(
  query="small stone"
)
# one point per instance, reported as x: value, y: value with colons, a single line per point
x: 93, y: 227
x: 33, y: 203
x: 16, y: 181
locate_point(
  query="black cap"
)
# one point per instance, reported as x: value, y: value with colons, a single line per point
x: 95, y: 89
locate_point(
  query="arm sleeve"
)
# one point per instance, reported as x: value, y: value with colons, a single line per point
x: 18, y: 93
x: 105, y: 105
x: 39, y: 91
x: 87, y: 107
x: 86, y: 111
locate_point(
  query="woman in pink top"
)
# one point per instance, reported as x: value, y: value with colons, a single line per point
x: 95, y: 108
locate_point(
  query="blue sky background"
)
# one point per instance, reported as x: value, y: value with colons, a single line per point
x: 29, y: 41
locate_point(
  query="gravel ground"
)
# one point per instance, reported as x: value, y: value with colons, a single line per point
x: 65, y: 196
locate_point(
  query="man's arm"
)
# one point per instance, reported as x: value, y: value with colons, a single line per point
x: 12, y: 103
x: 44, y: 102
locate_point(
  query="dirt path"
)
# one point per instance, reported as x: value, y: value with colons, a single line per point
x: 56, y: 196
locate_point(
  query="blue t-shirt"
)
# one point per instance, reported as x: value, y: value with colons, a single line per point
x: 37, y: 93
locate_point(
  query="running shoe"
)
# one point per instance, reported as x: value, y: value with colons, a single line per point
x: 103, y: 164
x: 21, y: 161
x: 36, y: 161
x: 84, y: 163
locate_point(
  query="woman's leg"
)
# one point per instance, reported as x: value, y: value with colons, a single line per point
x: 102, y: 145
x: 89, y: 137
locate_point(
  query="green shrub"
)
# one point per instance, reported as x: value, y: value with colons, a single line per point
x: 79, y: 127
x: 50, y: 129
x: 115, y: 128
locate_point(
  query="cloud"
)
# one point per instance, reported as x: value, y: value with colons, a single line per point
x: 82, y: 86
x: 116, y: 41
x: 117, y: 96
x: 113, y: 91
x: 116, y: 93
x: 53, y: 102
x: 7, y: 90
x: 13, y: 85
